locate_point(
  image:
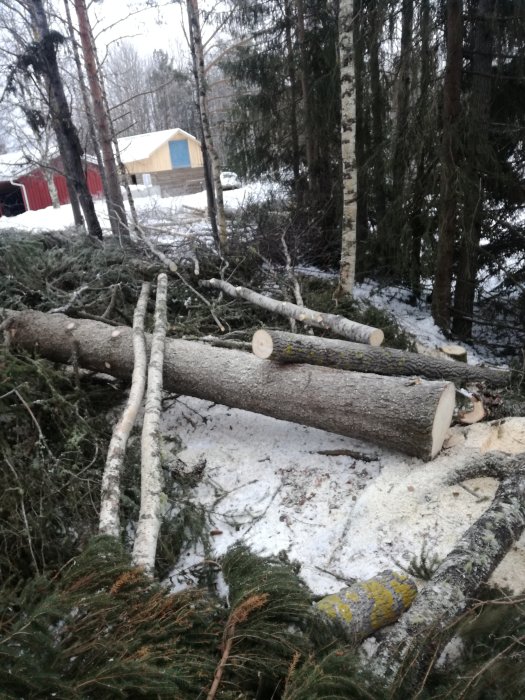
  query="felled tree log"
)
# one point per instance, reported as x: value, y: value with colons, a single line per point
x: 367, y: 606
x: 337, y: 324
x: 416, y: 639
x: 403, y: 414
x: 289, y: 347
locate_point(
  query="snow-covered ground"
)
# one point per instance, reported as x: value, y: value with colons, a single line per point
x: 340, y: 507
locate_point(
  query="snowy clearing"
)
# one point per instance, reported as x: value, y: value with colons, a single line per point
x: 341, y: 508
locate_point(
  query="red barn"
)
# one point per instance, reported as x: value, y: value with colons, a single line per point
x: 23, y: 186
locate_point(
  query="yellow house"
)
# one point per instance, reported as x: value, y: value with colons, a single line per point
x: 170, y: 159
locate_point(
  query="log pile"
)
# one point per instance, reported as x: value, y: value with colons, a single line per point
x: 409, y: 415
x: 291, y: 348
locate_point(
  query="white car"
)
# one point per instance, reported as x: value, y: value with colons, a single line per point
x: 230, y: 181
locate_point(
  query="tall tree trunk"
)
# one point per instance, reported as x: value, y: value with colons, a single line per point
x: 378, y: 135
x: 361, y: 126
x: 348, y: 115
x: 85, y: 98
x: 307, y: 107
x: 448, y: 214
x: 477, y: 163
x: 420, y: 185
x: 114, y: 201
x: 400, y: 151
x: 296, y: 158
x: 202, y: 90
x: 67, y: 136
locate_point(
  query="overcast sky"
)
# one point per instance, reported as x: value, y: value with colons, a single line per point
x: 147, y: 28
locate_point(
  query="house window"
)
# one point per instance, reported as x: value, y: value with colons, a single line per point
x: 133, y: 179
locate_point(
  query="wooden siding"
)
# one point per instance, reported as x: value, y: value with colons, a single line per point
x: 173, y: 183
x: 38, y: 193
x: 160, y: 160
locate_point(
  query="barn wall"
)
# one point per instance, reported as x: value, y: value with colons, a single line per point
x: 36, y: 189
x: 38, y: 192
x: 160, y: 160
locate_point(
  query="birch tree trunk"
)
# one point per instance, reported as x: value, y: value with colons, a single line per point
x: 348, y: 115
x: 53, y: 192
x: 114, y: 201
x: 109, y: 522
x: 150, y: 515
x: 202, y: 89
x: 337, y: 324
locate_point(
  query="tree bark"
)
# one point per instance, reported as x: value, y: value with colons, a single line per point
x: 114, y: 201
x: 337, y: 324
x: 289, y: 348
x: 307, y: 108
x: 348, y: 117
x: 414, y: 641
x: 109, y: 521
x: 448, y: 213
x: 478, y: 163
x: 85, y: 97
x: 202, y: 89
x: 67, y: 136
x: 400, y: 414
x: 148, y: 526
x: 367, y: 606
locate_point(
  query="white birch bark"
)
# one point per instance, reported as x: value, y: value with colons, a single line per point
x: 151, y: 476
x: 337, y: 324
x: 109, y: 522
x: 53, y: 192
x: 348, y: 121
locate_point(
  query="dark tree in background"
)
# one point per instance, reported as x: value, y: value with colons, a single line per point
x: 41, y: 57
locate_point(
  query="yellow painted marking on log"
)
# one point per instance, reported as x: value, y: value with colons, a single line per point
x: 334, y: 607
x: 384, y: 604
x: 405, y: 589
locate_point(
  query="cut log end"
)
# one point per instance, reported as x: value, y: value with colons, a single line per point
x: 455, y: 352
x: 443, y: 418
x: 262, y: 344
x: 477, y: 413
x: 376, y: 338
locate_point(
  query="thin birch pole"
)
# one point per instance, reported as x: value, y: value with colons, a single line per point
x: 151, y: 476
x: 109, y: 523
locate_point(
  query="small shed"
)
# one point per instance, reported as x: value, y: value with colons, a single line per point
x: 170, y: 159
x: 23, y: 186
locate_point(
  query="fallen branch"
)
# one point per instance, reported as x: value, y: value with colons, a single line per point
x: 460, y: 576
x: 148, y: 525
x: 336, y: 324
x: 409, y: 415
x: 109, y: 522
x: 290, y: 348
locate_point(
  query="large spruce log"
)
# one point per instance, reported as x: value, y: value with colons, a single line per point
x: 407, y: 415
x: 290, y: 347
x: 333, y: 322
